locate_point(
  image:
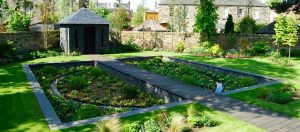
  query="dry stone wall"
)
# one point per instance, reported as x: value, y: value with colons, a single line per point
x: 29, y: 40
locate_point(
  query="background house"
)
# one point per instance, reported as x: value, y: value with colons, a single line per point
x: 237, y: 8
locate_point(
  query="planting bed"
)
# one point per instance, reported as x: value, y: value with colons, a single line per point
x: 201, y: 75
x: 84, y: 90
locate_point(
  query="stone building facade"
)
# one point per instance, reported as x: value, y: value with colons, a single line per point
x: 237, y: 8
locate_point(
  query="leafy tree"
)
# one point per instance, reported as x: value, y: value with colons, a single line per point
x: 64, y: 8
x: 281, y: 6
x: 180, y: 16
x: 246, y: 25
x: 2, y: 8
x: 18, y: 21
x: 229, y: 26
x: 101, y: 11
x: 206, y: 19
x: 119, y: 19
x: 138, y: 16
x: 286, y: 29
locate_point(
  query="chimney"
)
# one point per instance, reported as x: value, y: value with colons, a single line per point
x: 83, y: 3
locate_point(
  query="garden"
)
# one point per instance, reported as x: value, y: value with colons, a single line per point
x: 86, y: 88
x: 186, y: 74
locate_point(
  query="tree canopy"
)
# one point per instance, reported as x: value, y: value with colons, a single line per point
x: 229, y: 26
x: 119, y: 19
x: 138, y: 16
x: 281, y: 6
x: 206, y: 19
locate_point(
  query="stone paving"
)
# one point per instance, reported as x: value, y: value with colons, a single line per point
x: 271, y: 121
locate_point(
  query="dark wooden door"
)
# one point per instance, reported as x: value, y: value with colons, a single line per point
x: 89, y: 40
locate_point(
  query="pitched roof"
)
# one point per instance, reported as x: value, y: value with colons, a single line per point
x: 217, y: 2
x: 269, y: 29
x: 83, y: 16
x: 150, y: 25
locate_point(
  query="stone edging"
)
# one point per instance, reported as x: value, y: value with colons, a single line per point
x: 54, y: 123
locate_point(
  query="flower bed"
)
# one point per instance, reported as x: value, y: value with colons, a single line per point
x: 193, y: 76
x: 85, y: 88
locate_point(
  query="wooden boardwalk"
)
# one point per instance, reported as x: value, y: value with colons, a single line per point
x: 266, y: 119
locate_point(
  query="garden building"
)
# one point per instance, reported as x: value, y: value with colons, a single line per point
x: 84, y: 31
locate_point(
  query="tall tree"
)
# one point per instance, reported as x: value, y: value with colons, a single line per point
x: 286, y: 29
x: 138, y: 16
x: 246, y: 25
x: 180, y: 16
x: 46, y: 10
x: 229, y: 26
x: 281, y: 6
x: 206, y: 19
x: 119, y: 19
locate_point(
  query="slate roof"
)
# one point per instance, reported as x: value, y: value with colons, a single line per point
x: 269, y: 29
x: 217, y: 2
x: 150, y: 25
x: 83, y: 16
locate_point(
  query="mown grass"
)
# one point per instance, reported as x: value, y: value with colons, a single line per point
x: 20, y: 111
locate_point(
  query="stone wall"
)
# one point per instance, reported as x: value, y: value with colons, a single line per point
x: 168, y: 40
x: 29, y: 40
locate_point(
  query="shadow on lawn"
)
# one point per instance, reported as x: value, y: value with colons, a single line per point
x: 248, y: 65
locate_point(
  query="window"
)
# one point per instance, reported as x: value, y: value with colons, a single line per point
x: 256, y: 14
x: 76, y: 38
x: 240, y: 13
x: 226, y: 12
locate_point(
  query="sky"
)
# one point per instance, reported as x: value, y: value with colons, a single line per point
x: 148, y: 3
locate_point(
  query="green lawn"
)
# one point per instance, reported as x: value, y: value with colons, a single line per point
x: 263, y: 66
x: 20, y: 110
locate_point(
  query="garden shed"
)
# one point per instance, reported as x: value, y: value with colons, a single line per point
x: 84, y: 31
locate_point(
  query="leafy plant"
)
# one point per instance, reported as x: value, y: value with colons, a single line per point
x: 180, y: 46
x: 18, y: 21
x: 129, y: 92
x: 260, y: 47
x: 151, y: 126
x: 7, y: 52
x: 49, y: 70
x: 88, y: 111
x: 216, y: 50
x: 201, y: 120
x: 132, y: 127
x: 111, y: 125
x: 280, y: 98
x: 265, y: 93
x: 74, y: 94
x: 247, y: 81
x: 191, y: 110
x: 77, y: 82
x: 246, y: 25
x: 96, y: 72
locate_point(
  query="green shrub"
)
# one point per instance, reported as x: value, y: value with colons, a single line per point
x: 188, y: 79
x: 281, y: 98
x: 88, y: 111
x: 201, y: 120
x: 18, y: 21
x: 265, y: 93
x: 96, y: 72
x: 247, y: 81
x: 178, y: 123
x: 289, y: 88
x: 216, y: 50
x: 260, y: 47
x: 180, y: 46
x: 49, y: 70
x: 77, y: 83
x: 151, y: 126
x: 132, y: 127
x: 7, y: 52
x: 74, y: 94
x: 129, y: 92
x: 246, y: 25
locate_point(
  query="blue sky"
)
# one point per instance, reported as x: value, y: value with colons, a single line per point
x: 148, y: 3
